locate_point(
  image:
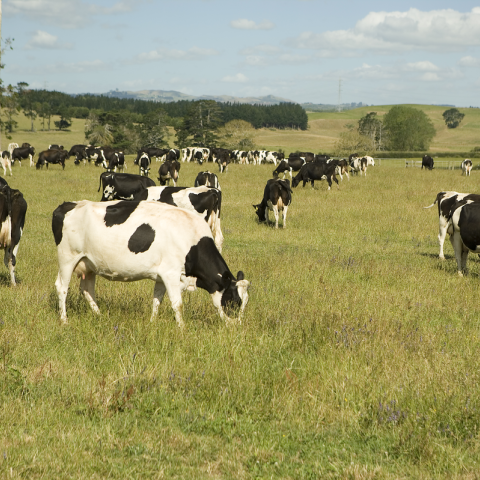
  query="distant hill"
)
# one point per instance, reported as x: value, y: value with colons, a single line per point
x: 174, y: 96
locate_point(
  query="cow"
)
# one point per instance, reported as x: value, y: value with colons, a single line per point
x: 427, y: 162
x: 292, y: 164
x: 266, y: 156
x: 359, y: 165
x: 106, y: 156
x: 123, y: 186
x: 446, y: 200
x: 341, y: 168
x: 23, y: 153
x: 78, y: 151
x: 3, y: 182
x: 467, y: 167
x: 172, y: 154
x: 93, y: 153
x: 370, y: 161
x: 316, y: 171
x: 158, y: 153
x: 51, y: 156
x: 308, y: 156
x: 200, y: 155
x: 144, y: 164
x: 203, y: 201
x: 187, y: 154
x: 221, y: 156
x: 11, y: 147
x: 207, y: 179
x: 130, y: 241
x: 55, y: 146
x: 277, y: 196
x: 239, y: 156
x: 169, y: 171
x: 13, y: 209
x: 6, y: 162
x: 464, y: 227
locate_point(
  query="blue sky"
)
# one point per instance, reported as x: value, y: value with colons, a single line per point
x: 383, y: 52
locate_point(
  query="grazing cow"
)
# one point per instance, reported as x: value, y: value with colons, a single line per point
x: 207, y: 179
x: 6, y: 162
x: 144, y: 164
x: 370, y: 161
x: 277, y: 196
x: 78, y: 151
x: 55, y: 146
x: 123, y: 186
x: 292, y: 164
x: 221, y: 156
x: 200, y: 155
x: 316, y: 171
x: 130, y: 241
x: 203, y: 201
x: 341, y: 167
x: 445, y: 201
x: 427, y: 162
x: 352, y: 156
x: 11, y: 147
x: 308, y: 156
x: 464, y: 227
x: 172, y: 154
x: 467, y: 167
x: 158, y: 153
x: 239, y: 156
x: 23, y: 153
x: 359, y: 165
x: 51, y: 156
x: 266, y: 156
x: 13, y: 208
x: 169, y: 171
x: 187, y: 154
x: 93, y: 153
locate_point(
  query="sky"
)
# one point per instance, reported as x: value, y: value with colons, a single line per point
x: 319, y: 51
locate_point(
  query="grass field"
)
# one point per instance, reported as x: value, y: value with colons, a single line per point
x: 357, y: 358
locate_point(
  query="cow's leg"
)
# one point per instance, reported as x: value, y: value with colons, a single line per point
x: 87, y: 288
x: 174, y: 290
x: 63, y: 280
x: 31, y: 160
x: 442, y: 233
x: 275, y: 214
x: 285, y: 216
x: 9, y: 165
x: 458, y: 248
x: 158, y: 294
x: 9, y: 262
x: 464, y: 258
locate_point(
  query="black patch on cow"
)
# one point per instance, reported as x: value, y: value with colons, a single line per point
x: 468, y: 223
x: 58, y: 219
x: 141, y: 239
x: 166, y: 195
x: 119, y: 213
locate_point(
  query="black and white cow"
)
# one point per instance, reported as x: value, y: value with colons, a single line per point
x: 92, y: 153
x: 187, y: 154
x: 312, y: 171
x: 308, y: 156
x: 277, y: 196
x: 292, y: 164
x: 207, y: 179
x: 158, y: 153
x: 203, y: 201
x: 446, y: 200
x: 464, y: 227
x: 78, y: 151
x: 144, y: 163
x: 6, y: 162
x: 13, y: 209
x: 221, y: 156
x: 11, y: 147
x: 123, y: 186
x: 173, y: 154
x: 200, y: 155
x: 130, y: 241
x: 467, y: 167
x: 265, y: 156
x: 359, y: 165
x: 55, y: 146
x: 427, y: 162
x: 239, y: 156
x: 341, y: 167
x: 22, y: 153
x: 169, y: 171
x: 56, y: 157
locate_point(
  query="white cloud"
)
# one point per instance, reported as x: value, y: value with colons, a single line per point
x: 430, y: 77
x: 244, y: 24
x: 238, y: 78
x: 424, y: 66
x: 388, y: 32
x: 46, y: 40
x: 64, y: 13
x: 194, y: 53
x: 469, y: 61
x: 264, y: 48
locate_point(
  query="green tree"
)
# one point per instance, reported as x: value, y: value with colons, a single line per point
x: 152, y: 130
x: 199, y: 126
x: 237, y: 135
x: 371, y: 127
x: 407, y: 129
x: 96, y: 133
x: 452, y: 117
x: 9, y: 108
x: 351, y: 141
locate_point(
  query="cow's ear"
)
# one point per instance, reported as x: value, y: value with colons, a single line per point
x: 240, y: 275
x: 255, y: 207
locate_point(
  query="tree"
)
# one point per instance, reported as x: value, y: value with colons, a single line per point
x: 237, y: 135
x: 152, y: 130
x: 371, y: 127
x: 407, y: 129
x: 353, y: 142
x: 65, y: 118
x: 453, y: 117
x: 96, y: 133
x: 199, y: 126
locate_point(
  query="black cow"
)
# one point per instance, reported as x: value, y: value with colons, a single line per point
x: 427, y: 162
x: 123, y: 186
x: 51, y: 156
x: 312, y: 171
x: 172, y: 154
x: 308, y: 156
x: 221, y: 156
x: 78, y: 151
x: 93, y: 153
x: 3, y: 182
x: 276, y: 196
x: 23, y: 153
x: 13, y: 208
x: 158, y: 153
x: 292, y: 164
x: 169, y: 171
x: 55, y: 146
x: 208, y: 179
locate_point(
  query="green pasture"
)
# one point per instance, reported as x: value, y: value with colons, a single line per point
x: 358, y: 356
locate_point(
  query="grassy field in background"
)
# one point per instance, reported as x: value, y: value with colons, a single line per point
x: 324, y: 130
x: 357, y: 358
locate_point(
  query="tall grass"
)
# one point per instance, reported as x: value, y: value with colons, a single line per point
x: 357, y: 358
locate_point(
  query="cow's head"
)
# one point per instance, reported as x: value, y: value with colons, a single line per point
x: 296, y: 181
x: 260, y: 211
x: 235, y: 293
